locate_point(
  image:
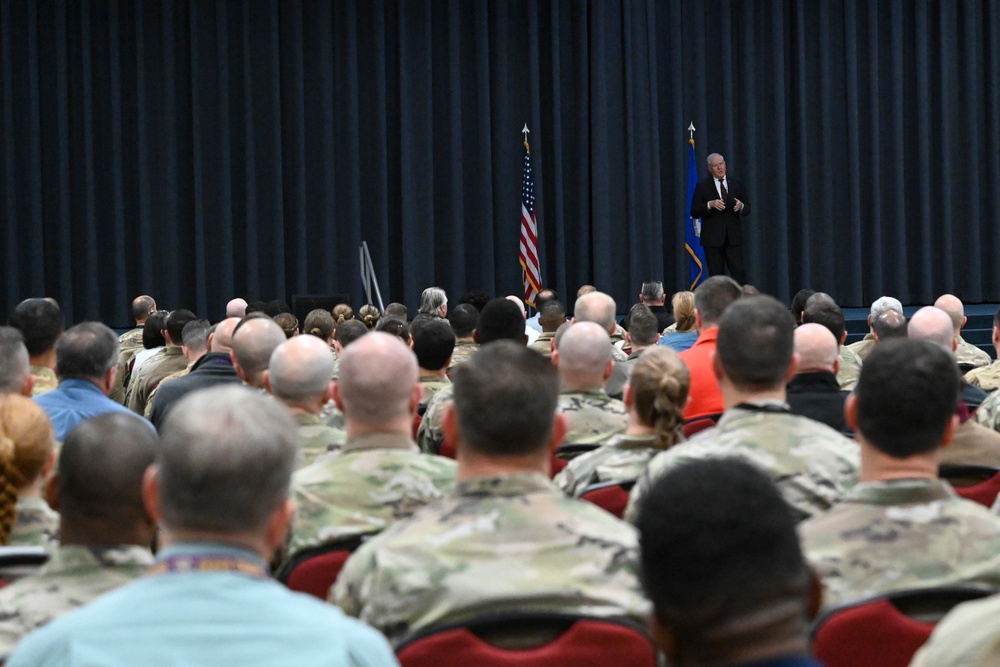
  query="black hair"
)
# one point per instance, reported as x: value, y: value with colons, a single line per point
x: 433, y: 344
x: 463, y: 318
x: 822, y: 309
x: 40, y: 322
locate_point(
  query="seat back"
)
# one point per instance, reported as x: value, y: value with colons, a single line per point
x: 980, y: 484
x: 611, y: 496
x: 530, y: 641
x: 568, y: 451
x: 315, y: 570
x: 697, y: 424
x: 18, y: 562
x: 884, y: 631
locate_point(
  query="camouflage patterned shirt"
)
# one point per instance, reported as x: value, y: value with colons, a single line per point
x: 73, y: 576
x: 432, y: 384
x: 850, y: 368
x: 543, y: 344
x: 967, y: 354
x: 370, y: 483
x: 45, y: 380
x: 906, y: 533
x: 593, y: 415
x: 317, y: 437
x: 986, y: 378
x: 988, y: 412
x: 813, y: 465
x: 496, y: 544
x: 966, y: 637
x: 621, y: 458
x: 332, y: 416
x: 131, y: 340
x: 463, y: 350
x: 167, y: 361
x: 431, y: 432
x: 37, y: 525
x: 863, y: 347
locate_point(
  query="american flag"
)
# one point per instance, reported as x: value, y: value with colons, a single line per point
x: 529, y: 233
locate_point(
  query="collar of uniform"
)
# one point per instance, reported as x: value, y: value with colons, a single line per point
x: 43, y: 371
x: 586, y: 391
x: 466, y: 343
x: 78, y: 557
x: 752, y: 408
x: 443, y: 379
x: 513, y: 484
x: 33, y: 503
x: 307, y: 419
x: 546, y: 335
x: 172, y: 350
x: 624, y: 441
x: 899, y: 492
x: 379, y: 441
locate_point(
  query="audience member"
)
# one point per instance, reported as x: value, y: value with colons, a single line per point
x: 653, y: 297
x: 220, y: 490
x: 812, y: 464
x: 41, y: 323
x: 347, y: 333
x: 543, y: 297
x: 434, y: 302
x: 476, y: 298
x: 394, y: 327
x: 529, y: 333
x: 643, y: 334
x: 933, y: 324
x: 463, y: 320
x: 822, y: 309
x: 551, y: 315
x: 722, y: 566
x: 236, y: 308
x: 967, y: 355
x: 168, y: 361
x: 396, y: 310
x: 289, y: 324
x: 140, y: 309
x: 599, y: 308
x: 506, y: 539
x: 899, y: 528
x: 683, y: 333
x: 342, y: 313
x: 880, y: 306
x: 654, y: 397
x: 583, y: 359
x: 379, y: 476
x: 320, y: 324
x: 711, y: 299
x: 889, y: 324
x: 254, y: 341
x: 813, y: 391
x: 987, y: 378
x: 130, y: 359
x: 105, y: 530
x: 15, y: 365
x: 27, y: 455
x: 433, y: 344
x: 85, y: 362
x: 799, y: 303
x: 299, y: 375
x: 194, y: 347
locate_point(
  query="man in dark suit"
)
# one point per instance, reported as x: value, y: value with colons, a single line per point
x: 720, y: 202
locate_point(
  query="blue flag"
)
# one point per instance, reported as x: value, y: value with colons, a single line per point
x: 692, y: 244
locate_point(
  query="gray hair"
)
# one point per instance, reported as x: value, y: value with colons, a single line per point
x: 652, y: 290
x: 87, y: 350
x: 432, y: 300
x: 14, y: 362
x: 708, y: 160
x: 300, y: 369
x: 884, y: 304
x: 225, y: 460
x: 195, y: 335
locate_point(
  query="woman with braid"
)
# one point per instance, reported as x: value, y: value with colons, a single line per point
x: 27, y: 454
x: 655, y: 396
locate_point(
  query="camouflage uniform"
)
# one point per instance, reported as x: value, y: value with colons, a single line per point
x: 431, y: 432
x: 496, y: 544
x: 332, y: 416
x: 618, y: 335
x: 813, y: 465
x: 432, y: 384
x: 900, y: 534
x: 463, y: 350
x: 593, y: 415
x: 543, y: 344
x: 165, y: 362
x: 131, y: 340
x: 317, y: 437
x: 618, y: 354
x: 148, y: 412
x: 863, y: 347
x: 988, y: 412
x: 671, y: 329
x: 967, y: 354
x: 371, y: 482
x: 986, y: 378
x: 850, y: 368
x: 73, y: 576
x: 45, y: 379
x: 966, y: 637
x: 621, y: 458
x: 37, y: 525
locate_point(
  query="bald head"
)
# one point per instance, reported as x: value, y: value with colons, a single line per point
x: 952, y: 305
x: 932, y: 324
x: 518, y: 302
x: 596, y: 307
x: 236, y: 308
x: 377, y: 375
x: 583, y: 356
x: 817, y: 348
x: 222, y: 338
x: 253, y: 344
x: 300, y: 370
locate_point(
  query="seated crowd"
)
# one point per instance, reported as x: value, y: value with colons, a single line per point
x: 174, y: 478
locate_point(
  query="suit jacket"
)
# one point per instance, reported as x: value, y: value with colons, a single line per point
x: 719, y: 228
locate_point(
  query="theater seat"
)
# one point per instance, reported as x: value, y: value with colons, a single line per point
x: 977, y: 483
x: 530, y: 640
x: 18, y: 562
x: 611, y: 496
x: 315, y: 570
x: 885, y: 631
x: 568, y: 451
x: 697, y: 424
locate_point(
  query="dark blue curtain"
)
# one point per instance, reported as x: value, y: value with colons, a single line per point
x: 202, y: 150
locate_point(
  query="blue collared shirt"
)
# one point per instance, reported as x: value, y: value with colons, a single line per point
x: 75, y: 401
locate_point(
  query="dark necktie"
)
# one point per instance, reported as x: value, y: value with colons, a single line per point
x: 725, y: 193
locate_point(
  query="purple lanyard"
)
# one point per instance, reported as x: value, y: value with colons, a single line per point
x: 209, y: 563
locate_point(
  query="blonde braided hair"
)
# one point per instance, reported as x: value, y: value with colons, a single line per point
x: 660, y: 383
x: 26, y: 443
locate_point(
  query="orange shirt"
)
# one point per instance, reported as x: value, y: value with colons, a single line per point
x: 706, y: 398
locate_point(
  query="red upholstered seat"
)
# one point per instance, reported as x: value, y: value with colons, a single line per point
x: 611, y: 496
x: 448, y: 449
x: 579, y: 642
x: 885, y: 631
x: 314, y: 571
x: 980, y: 484
x: 697, y: 424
